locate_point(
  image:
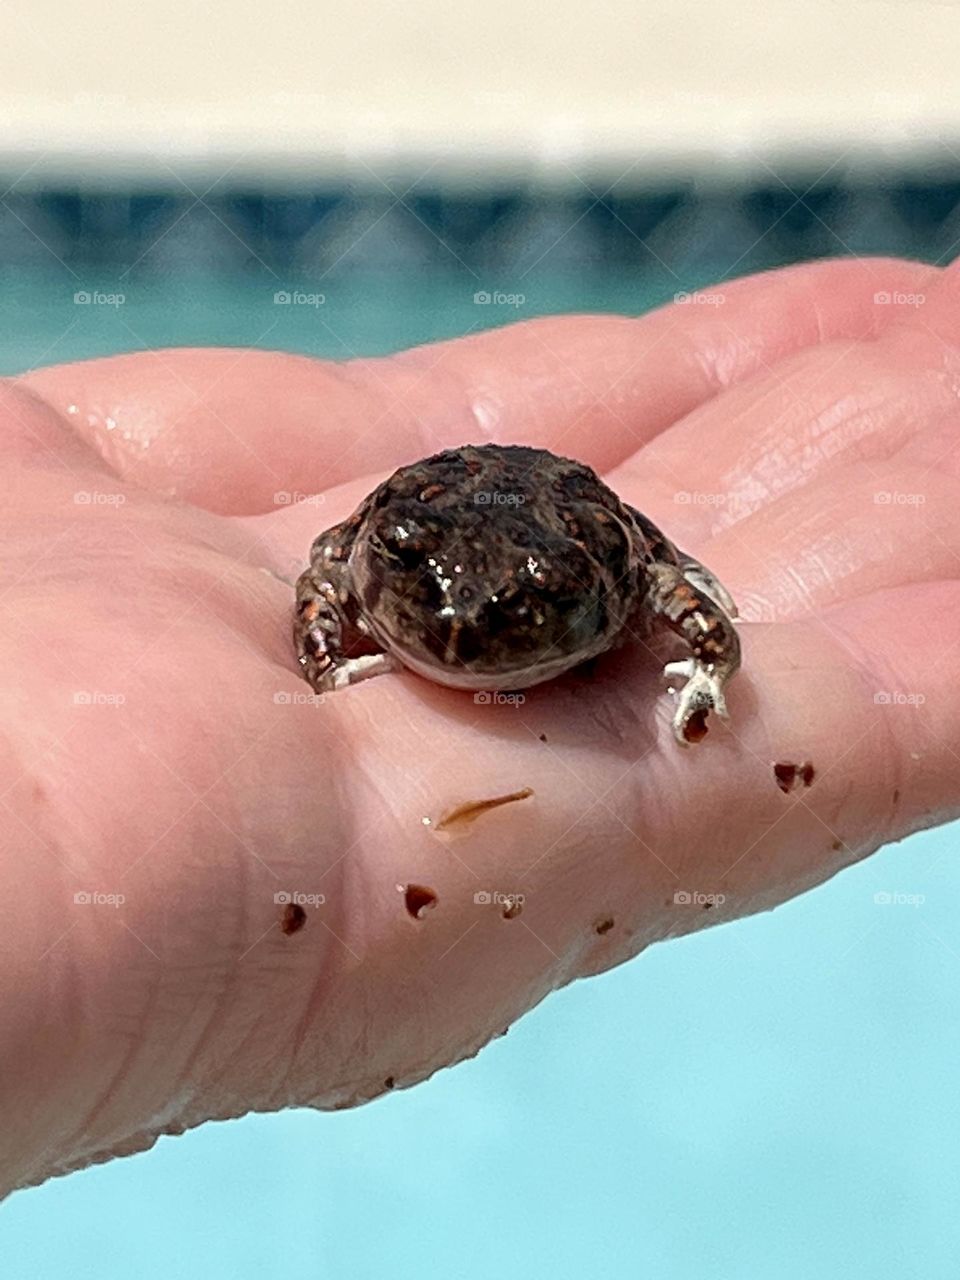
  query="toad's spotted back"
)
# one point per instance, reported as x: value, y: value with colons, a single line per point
x: 502, y: 566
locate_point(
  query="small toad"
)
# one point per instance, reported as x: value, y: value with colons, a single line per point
x: 500, y: 567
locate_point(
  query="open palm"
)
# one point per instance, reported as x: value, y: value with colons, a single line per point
x: 220, y: 894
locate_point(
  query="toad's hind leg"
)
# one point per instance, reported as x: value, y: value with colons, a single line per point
x: 701, y: 579
x: 321, y: 632
x: 693, y: 603
x: 660, y: 548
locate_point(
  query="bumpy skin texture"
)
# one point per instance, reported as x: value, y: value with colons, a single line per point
x: 504, y: 566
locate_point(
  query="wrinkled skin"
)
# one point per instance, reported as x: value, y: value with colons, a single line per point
x: 213, y: 785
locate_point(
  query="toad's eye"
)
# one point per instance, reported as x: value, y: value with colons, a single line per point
x: 398, y: 549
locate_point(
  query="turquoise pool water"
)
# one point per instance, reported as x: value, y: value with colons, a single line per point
x: 773, y: 1100
x: 362, y: 312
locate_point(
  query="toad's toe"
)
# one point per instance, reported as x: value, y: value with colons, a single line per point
x: 701, y: 693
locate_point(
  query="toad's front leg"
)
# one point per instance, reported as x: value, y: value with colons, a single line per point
x: 325, y: 633
x: 681, y: 596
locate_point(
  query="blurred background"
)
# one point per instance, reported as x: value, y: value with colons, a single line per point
x: 776, y: 1098
x: 380, y: 165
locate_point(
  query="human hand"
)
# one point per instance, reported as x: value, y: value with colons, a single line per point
x: 197, y: 782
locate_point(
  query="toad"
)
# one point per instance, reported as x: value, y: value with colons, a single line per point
x: 500, y: 567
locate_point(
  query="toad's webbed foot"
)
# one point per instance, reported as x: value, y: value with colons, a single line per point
x: 702, y: 692
x: 695, y: 605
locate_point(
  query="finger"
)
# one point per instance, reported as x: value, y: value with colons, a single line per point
x: 846, y: 401
x: 230, y: 429
x: 34, y: 432
x: 860, y: 529
x: 928, y: 317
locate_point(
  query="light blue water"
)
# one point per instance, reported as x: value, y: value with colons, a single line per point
x: 777, y: 1098
x: 362, y: 312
